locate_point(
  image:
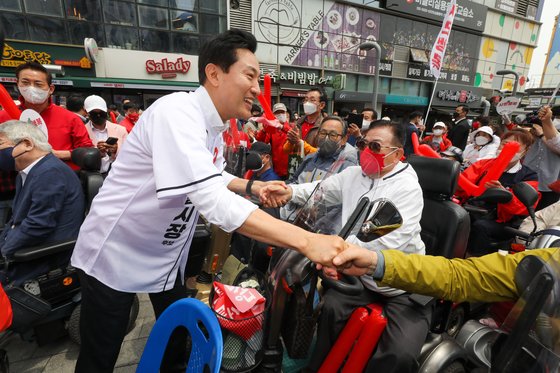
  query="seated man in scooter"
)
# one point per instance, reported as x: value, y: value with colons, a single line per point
x: 381, y: 175
x: 48, y: 206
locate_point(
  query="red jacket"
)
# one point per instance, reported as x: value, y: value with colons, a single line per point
x: 127, y: 123
x: 66, y: 130
x: 506, y: 211
x: 276, y: 138
x: 443, y: 145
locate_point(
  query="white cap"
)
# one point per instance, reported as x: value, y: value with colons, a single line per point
x: 439, y: 124
x: 485, y: 129
x: 94, y: 102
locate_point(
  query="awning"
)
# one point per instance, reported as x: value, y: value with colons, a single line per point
x: 87, y: 82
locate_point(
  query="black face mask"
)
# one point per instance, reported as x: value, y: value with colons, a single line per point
x: 7, y: 162
x: 455, y: 115
x: 98, y: 118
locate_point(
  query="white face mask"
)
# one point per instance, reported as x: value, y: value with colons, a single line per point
x: 438, y: 132
x: 366, y: 123
x: 481, y: 140
x: 309, y: 108
x: 282, y: 118
x: 34, y: 95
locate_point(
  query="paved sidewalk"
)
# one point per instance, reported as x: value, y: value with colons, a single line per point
x: 60, y: 357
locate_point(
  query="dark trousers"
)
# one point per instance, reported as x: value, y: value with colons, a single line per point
x: 485, y: 232
x: 103, y: 321
x: 400, y: 344
x: 547, y: 199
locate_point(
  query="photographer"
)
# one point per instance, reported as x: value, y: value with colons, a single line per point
x: 542, y: 157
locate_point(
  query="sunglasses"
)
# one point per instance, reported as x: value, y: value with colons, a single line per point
x: 374, y: 146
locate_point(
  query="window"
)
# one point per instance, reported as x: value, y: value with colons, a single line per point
x: 153, y: 17
x: 157, y: 41
x: 43, y: 7
x: 121, y: 37
x: 13, y: 25
x: 154, y: 2
x: 80, y: 30
x: 184, y: 43
x: 213, y: 6
x: 184, y: 4
x: 210, y: 24
x: 47, y: 29
x: 119, y: 13
x: 83, y: 10
x: 182, y: 20
x: 10, y: 5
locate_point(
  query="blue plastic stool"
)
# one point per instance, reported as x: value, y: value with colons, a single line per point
x: 185, y: 312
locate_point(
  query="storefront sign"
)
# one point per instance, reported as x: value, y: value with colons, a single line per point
x: 507, y: 5
x: 460, y: 96
x: 72, y: 58
x: 168, y: 69
x: 386, y: 68
x: 406, y: 100
x: 297, y: 77
x: 469, y: 14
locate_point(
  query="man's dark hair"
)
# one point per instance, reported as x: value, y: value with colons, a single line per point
x: 322, y: 95
x: 396, y: 128
x: 112, y: 107
x: 338, y: 119
x: 222, y: 50
x: 483, y: 120
x: 415, y: 114
x: 75, y: 103
x: 464, y: 108
x: 374, y: 116
x: 130, y: 105
x: 34, y: 66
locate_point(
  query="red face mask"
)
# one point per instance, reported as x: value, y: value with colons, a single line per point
x: 133, y: 117
x: 371, y: 163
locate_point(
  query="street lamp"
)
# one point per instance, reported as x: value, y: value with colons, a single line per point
x: 366, y: 46
x: 510, y: 72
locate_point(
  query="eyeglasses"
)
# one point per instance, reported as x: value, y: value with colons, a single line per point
x: 374, y: 146
x: 332, y: 135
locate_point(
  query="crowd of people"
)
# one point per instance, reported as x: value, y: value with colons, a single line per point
x: 166, y: 166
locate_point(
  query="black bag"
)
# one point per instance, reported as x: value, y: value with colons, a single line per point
x: 27, y: 309
x: 300, y: 320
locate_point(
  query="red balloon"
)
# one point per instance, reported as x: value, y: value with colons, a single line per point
x: 498, y: 166
x: 415, y: 142
x: 8, y: 104
x: 266, y: 107
x: 268, y: 89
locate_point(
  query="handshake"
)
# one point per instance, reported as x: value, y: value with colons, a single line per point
x: 331, y: 253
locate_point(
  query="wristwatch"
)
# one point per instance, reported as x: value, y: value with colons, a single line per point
x: 248, y: 187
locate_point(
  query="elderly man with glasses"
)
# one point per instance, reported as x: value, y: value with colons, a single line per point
x: 381, y: 174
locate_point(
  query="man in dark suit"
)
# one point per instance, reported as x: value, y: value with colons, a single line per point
x: 48, y: 205
x: 459, y: 133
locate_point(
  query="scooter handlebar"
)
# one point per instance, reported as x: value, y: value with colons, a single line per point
x: 518, y: 232
x: 349, y: 285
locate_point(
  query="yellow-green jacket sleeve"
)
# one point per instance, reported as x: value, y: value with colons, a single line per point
x: 489, y: 278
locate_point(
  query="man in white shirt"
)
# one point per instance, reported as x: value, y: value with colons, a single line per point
x: 100, y: 129
x: 408, y: 323
x: 137, y: 235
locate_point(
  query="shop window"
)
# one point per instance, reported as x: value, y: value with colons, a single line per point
x: 80, y: 30
x: 156, y: 41
x: 164, y: 3
x: 184, y: 20
x: 213, y: 6
x: 119, y: 13
x: 47, y: 29
x: 13, y: 26
x: 83, y: 10
x: 365, y: 83
x: 43, y: 7
x: 184, y: 4
x: 10, y: 5
x: 184, y: 43
x: 121, y: 37
x: 153, y: 17
x: 210, y: 24
x: 384, y: 85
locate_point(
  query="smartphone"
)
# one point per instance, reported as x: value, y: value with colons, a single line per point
x: 111, y: 141
x: 356, y: 119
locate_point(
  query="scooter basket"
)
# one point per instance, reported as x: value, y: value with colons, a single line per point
x: 300, y: 320
x: 243, y: 338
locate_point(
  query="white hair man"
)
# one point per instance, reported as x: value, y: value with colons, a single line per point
x: 48, y: 205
